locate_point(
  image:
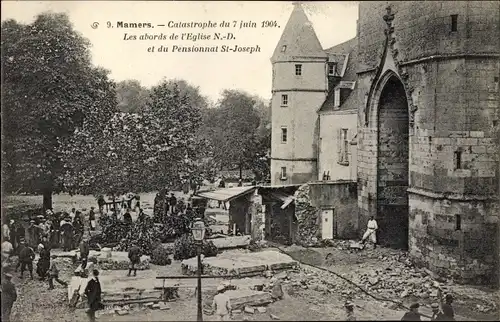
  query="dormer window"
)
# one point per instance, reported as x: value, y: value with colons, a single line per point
x: 283, y: 48
x: 332, y: 69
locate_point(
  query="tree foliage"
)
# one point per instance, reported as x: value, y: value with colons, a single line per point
x: 145, y: 151
x: 131, y: 96
x: 50, y: 88
x: 239, y: 131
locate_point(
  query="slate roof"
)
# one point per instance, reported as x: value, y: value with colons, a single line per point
x: 299, y: 38
x: 347, y: 67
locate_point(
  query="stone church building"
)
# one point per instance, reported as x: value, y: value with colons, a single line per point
x: 408, y: 111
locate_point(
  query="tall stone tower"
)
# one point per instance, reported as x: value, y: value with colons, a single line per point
x: 299, y: 88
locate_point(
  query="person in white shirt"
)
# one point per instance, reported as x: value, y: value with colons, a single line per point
x: 7, y: 251
x: 222, y: 304
x: 6, y: 231
x: 371, y: 232
x: 72, y: 214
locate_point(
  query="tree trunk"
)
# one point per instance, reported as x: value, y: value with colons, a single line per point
x: 241, y: 171
x: 47, y: 199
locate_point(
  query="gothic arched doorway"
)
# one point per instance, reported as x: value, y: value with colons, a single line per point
x: 393, y: 164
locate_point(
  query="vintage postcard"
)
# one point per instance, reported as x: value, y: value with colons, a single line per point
x: 250, y: 160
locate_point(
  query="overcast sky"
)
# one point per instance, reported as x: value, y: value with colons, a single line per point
x: 334, y: 22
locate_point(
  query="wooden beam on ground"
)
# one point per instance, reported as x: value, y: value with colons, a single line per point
x: 194, y: 276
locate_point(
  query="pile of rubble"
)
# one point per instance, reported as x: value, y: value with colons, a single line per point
x: 396, y: 279
x: 125, y: 309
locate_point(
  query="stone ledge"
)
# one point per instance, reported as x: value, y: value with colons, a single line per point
x: 451, y: 196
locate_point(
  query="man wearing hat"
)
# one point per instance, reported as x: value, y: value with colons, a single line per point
x: 134, y: 255
x: 413, y: 314
x: 221, y: 304
x: 67, y: 232
x: 26, y: 257
x: 31, y: 239
x: 349, y: 308
x: 9, y: 296
x: 92, y: 218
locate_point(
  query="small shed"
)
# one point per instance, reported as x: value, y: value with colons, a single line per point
x: 240, y: 209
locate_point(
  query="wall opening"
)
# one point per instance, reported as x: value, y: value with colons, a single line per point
x: 454, y: 22
x: 458, y: 222
x: 393, y: 165
x: 458, y: 160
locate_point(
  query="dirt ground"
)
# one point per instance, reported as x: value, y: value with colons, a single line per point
x: 37, y: 303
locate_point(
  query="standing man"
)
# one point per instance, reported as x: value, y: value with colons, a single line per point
x: 371, y: 232
x: 54, y: 274
x: 93, y: 293
x: 22, y: 245
x: 100, y: 203
x: 67, y: 233
x: 92, y: 219
x: 31, y: 239
x: 413, y: 314
x: 84, y: 249
x: 134, y: 254
x: 78, y: 227
x: 14, y: 234
x: 42, y: 267
x: 9, y: 296
x: 221, y: 304
x: 26, y: 257
x: 5, y: 231
x: 349, y: 308
x: 7, y: 250
x: 173, y: 203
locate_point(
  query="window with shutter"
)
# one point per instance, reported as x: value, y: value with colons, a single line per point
x: 336, y: 98
x: 342, y: 147
x: 339, y: 145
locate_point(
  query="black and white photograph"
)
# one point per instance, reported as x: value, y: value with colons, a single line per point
x: 250, y: 160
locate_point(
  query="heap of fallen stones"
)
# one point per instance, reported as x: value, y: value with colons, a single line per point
x: 398, y: 280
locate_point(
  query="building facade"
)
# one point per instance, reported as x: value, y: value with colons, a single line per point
x: 421, y: 81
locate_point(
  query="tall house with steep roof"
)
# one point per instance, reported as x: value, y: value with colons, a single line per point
x: 299, y: 88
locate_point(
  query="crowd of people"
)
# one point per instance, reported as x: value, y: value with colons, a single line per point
x: 23, y: 238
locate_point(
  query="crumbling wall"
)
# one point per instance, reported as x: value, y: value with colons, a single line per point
x: 308, y: 218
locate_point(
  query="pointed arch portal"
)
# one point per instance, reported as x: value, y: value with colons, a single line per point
x: 393, y: 163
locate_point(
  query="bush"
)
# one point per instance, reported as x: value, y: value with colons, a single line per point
x: 160, y: 255
x: 185, y: 247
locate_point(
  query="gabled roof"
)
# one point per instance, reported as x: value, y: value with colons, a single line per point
x: 299, y: 38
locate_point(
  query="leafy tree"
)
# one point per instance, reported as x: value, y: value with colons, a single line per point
x: 234, y: 132
x: 131, y: 96
x: 145, y: 151
x: 172, y: 142
x: 261, y: 165
x: 49, y: 89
